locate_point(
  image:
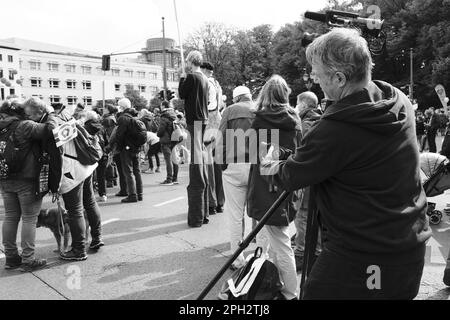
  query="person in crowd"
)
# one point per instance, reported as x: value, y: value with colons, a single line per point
x: 236, y: 165
x: 362, y: 163
x: 79, y: 111
x: 109, y: 123
x: 21, y: 198
x: 129, y: 153
x: 154, y: 148
x: 309, y: 113
x: 193, y: 88
x: 275, y: 114
x: 432, y: 129
x: 168, y: 116
x: 420, y: 130
x: 215, y: 191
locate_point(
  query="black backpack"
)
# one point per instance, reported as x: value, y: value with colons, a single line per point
x: 12, y: 157
x: 137, y: 132
x: 88, y: 148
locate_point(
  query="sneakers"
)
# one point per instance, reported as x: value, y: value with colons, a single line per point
x: 140, y: 197
x: 13, y: 262
x: 130, y: 199
x: 103, y: 199
x: 212, y: 211
x: 96, y: 244
x: 175, y: 182
x: 73, y: 255
x: 219, y: 209
x: 158, y: 170
x: 447, y: 276
x: 149, y: 171
x: 166, y: 183
x: 33, y: 265
x: 121, y: 194
x: 205, y: 221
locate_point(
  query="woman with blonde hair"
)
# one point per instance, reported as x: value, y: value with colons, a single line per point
x: 277, y: 124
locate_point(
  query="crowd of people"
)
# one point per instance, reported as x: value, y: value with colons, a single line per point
x: 429, y: 124
x: 357, y: 159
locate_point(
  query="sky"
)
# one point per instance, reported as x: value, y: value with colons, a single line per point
x: 110, y: 26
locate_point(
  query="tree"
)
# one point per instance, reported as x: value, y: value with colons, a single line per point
x: 99, y: 103
x: 137, y: 101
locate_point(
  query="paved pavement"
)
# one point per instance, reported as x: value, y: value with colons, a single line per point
x: 151, y: 253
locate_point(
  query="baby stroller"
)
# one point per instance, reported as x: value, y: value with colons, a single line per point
x: 436, y: 179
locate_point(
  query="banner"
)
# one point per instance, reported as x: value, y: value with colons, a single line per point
x: 440, y: 90
x: 65, y: 132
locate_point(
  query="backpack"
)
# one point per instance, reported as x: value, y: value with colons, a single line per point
x: 178, y: 134
x: 12, y: 157
x: 138, y: 132
x: 257, y: 280
x: 87, y: 146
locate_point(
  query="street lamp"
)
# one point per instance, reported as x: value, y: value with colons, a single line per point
x: 307, y: 80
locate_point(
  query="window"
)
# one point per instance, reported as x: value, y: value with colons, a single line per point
x: 12, y: 91
x: 115, y: 72
x: 1, y: 59
x: 36, y: 82
x: 141, y: 88
x: 71, y: 84
x: 1, y: 73
x: 70, y: 68
x: 11, y: 74
x: 129, y: 73
x: 87, y: 85
x: 141, y: 74
x: 129, y: 86
x: 35, y: 65
x: 53, y: 66
x: 117, y: 86
x: 154, y: 90
x: 87, y: 101
x: 86, y: 69
x: 38, y: 96
x: 55, y: 99
x: 54, y: 83
x: 153, y: 75
x: 71, y: 100
x: 10, y: 58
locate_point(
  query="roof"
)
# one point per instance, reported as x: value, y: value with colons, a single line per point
x: 8, y: 45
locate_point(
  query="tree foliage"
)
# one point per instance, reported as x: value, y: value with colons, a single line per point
x: 137, y: 101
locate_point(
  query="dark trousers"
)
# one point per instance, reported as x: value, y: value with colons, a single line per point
x: 336, y: 277
x: 172, y: 168
x: 431, y: 135
x: 131, y: 171
x: 153, y: 151
x: 220, y: 194
x: 76, y: 201
x: 122, y: 180
x: 197, y: 187
x: 101, y: 176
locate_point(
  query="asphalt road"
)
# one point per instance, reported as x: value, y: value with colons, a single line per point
x: 151, y: 253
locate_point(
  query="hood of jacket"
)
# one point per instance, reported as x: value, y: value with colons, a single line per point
x: 6, y: 119
x: 170, y: 114
x: 309, y: 114
x: 283, y: 118
x: 379, y: 107
x: 93, y: 126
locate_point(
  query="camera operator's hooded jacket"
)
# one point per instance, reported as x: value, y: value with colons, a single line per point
x: 363, y: 161
x: 261, y: 194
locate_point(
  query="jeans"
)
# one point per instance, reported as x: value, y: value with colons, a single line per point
x: 336, y: 277
x: 172, y: 168
x: 431, y: 136
x: 197, y: 187
x: 235, y: 180
x: 153, y: 151
x: 130, y: 168
x: 122, y: 179
x: 220, y: 195
x: 92, y: 209
x: 101, y: 176
x: 20, y: 201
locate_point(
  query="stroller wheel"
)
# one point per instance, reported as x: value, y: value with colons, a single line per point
x: 435, y: 217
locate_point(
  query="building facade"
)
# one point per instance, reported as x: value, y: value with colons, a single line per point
x: 10, y: 78
x: 70, y: 76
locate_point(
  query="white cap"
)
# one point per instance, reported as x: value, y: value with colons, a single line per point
x: 238, y: 91
x: 124, y: 103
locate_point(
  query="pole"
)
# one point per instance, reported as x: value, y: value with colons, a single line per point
x: 103, y: 90
x: 180, y: 38
x: 164, y: 61
x: 411, y: 86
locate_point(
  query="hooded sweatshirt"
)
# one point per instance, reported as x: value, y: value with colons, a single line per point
x: 363, y: 161
x: 168, y: 116
x: 260, y: 196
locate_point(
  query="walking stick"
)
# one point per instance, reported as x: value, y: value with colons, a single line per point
x: 245, y: 243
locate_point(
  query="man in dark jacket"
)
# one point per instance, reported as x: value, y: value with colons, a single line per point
x: 362, y: 160
x: 129, y: 152
x: 433, y: 127
x: 168, y: 116
x: 193, y: 88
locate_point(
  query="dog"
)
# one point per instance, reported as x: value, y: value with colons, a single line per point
x: 48, y: 218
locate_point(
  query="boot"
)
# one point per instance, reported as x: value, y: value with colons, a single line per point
x: 130, y: 198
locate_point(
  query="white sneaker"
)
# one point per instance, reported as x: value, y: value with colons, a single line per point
x: 103, y: 199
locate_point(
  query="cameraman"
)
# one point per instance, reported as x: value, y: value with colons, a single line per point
x: 362, y: 162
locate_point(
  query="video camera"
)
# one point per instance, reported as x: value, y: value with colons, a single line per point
x: 371, y: 29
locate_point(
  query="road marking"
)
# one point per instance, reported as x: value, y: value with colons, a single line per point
x: 167, y: 202
x: 436, y: 255
x: 109, y: 221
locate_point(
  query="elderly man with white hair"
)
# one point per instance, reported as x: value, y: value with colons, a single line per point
x: 236, y: 119
x: 362, y: 162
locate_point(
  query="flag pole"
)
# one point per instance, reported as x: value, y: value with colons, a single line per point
x: 180, y: 38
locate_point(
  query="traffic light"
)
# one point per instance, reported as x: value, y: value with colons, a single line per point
x: 170, y: 95
x: 161, y: 95
x: 106, y: 62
